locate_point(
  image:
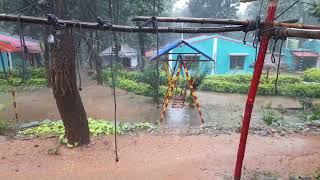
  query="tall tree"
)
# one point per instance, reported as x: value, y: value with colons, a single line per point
x: 214, y: 9
x: 298, y: 11
x: 315, y: 11
x: 66, y: 93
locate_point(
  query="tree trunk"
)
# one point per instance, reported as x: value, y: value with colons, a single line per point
x: 65, y: 90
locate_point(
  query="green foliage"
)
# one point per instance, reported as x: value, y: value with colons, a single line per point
x: 136, y: 82
x: 215, y: 9
x: 35, y: 77
x: 270, y: 118
x: 37, y: 73
x: 3, y: 127
x: 287, y: 85
x: 96, y: 127
x: 312, y: 75
x: 315, y: 11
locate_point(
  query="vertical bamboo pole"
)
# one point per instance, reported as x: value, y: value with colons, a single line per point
x: 272, y: 8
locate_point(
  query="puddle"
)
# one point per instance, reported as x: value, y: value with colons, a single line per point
x: 182, y: 117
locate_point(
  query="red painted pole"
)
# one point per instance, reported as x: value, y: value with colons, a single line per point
x: 272, y: 8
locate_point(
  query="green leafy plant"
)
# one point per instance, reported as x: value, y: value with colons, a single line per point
x: 97, y: 127
x: 312, y: 75
x: 3, y: 127
x: 269, y: 118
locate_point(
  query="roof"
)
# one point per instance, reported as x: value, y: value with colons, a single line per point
x: 305, y: 54
x: 176, y: 44
x: 126, y: 51
x: 11, y: 43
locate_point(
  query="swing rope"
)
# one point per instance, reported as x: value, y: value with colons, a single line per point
x: 278, y: 36
x: 113, y: 84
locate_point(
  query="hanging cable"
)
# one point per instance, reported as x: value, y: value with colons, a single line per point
x: 286, y: 10
x: 113, y: 84
x: 283, y: 39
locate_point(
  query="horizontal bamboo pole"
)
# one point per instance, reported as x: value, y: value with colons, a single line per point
x: 302, y: 33
x: 289, y: 32
x: 222, y: 21
x: 120, y: 28
x: 194, y: 20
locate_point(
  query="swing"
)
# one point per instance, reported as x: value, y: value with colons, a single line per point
x: 179, y: 98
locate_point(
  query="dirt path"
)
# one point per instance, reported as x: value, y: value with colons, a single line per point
x: 160, y: 157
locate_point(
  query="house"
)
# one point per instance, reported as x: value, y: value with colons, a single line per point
x: 128, y: 56
x: 10, y: 47
x: 230, y: 55
x: 304, y: 57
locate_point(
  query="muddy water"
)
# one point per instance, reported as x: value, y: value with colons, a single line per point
x: 182, y: 117
x: 221, y: 108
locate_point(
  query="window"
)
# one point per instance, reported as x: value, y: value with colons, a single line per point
x: 192, y: 65
x: 237, y: 62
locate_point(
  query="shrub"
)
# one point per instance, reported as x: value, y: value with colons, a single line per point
x: 30, y: 73
x: 34, y: 82
x: 3, y: 127
x: 135, y: 87
x: 269, y: 118
x: 312, y: 75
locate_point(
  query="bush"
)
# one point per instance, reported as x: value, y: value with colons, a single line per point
x: 287, y: 85
x: 312, y: 75
x: 34, y: 82
x: 37, y: 73
x: 135, y: 87
x: 3, y: 127
x: 270, y: 118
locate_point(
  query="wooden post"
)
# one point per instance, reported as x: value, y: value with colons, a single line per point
x: 272, y: 8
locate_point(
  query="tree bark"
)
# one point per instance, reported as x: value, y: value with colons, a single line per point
x: 65, y: 90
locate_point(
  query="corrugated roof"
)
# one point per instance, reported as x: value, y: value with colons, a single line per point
x: 32, y: 45
x: 305, y: 54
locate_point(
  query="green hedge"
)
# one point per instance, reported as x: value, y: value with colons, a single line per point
x: 34, y: 82
x: 312, y: 75
x: 37, y: 73
x: 294, y: 90
x: 246, y: 79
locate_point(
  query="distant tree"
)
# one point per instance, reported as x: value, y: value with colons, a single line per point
x: 298, y: 11
x: 315, y: 11
x: 214, y: 9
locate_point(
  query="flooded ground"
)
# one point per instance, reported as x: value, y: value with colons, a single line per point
x: 222, y: 108
x: 162, y: 157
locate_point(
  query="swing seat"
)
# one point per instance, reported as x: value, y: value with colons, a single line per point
x: 178, y: 101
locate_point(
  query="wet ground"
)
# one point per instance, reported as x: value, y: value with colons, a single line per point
x: 162, y: 157
x: 223, y: 108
